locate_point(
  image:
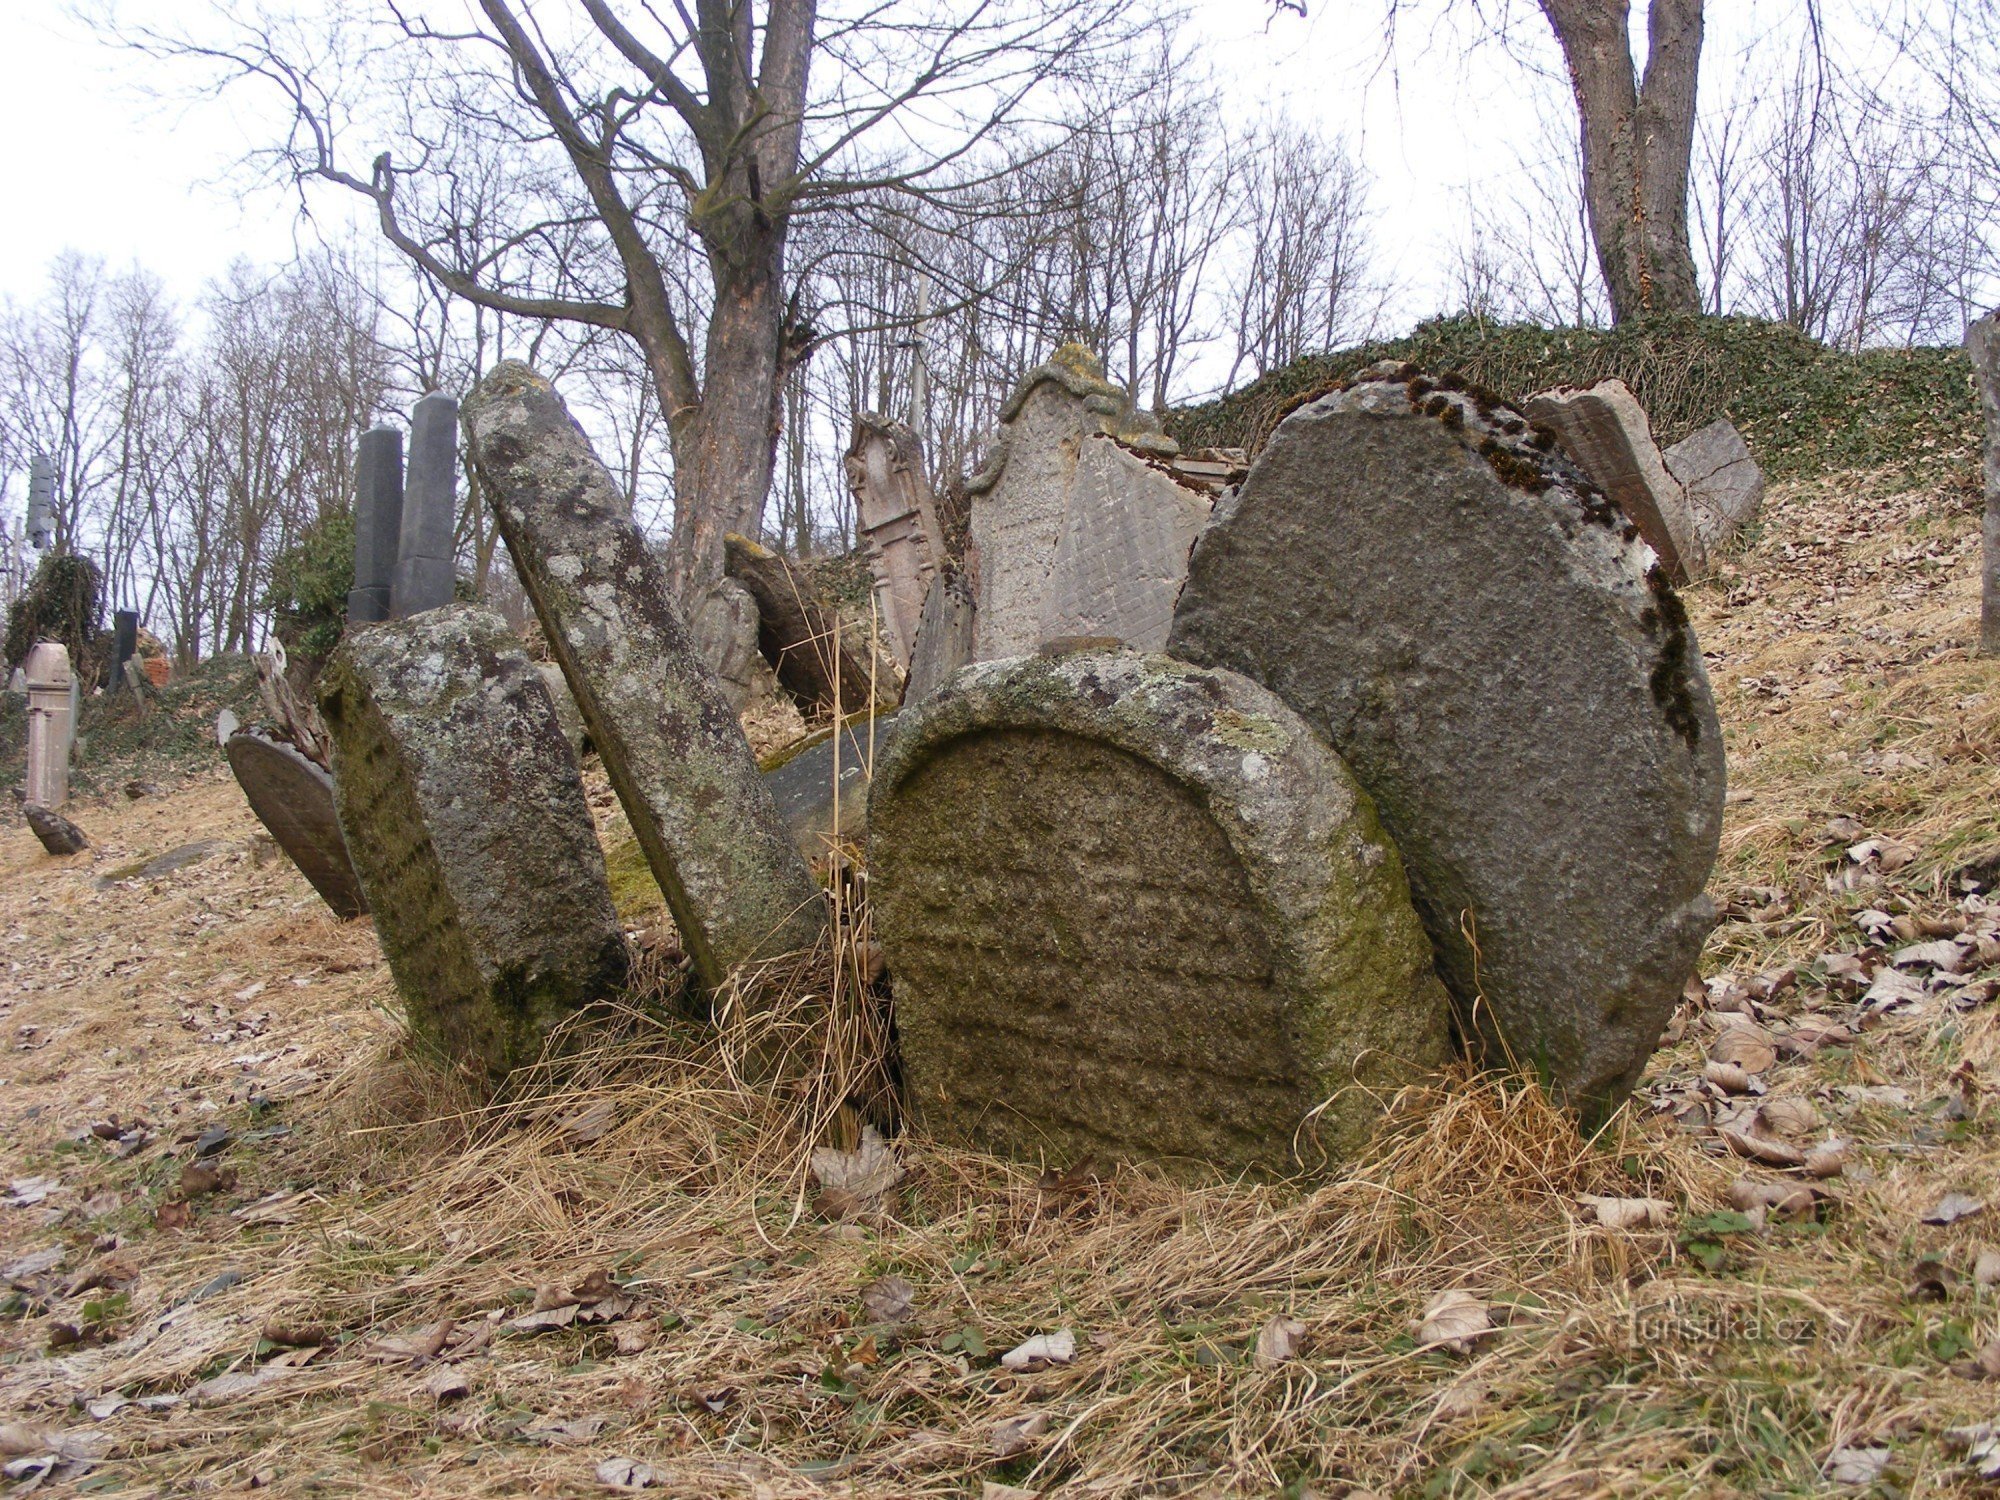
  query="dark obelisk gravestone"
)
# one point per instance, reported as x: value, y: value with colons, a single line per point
x: 378, y: 523
x: 124, y: 641
x: 424, y: 564
x: 293, y: 799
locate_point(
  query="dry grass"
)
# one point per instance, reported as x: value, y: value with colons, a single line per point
x: 1623, y: 1364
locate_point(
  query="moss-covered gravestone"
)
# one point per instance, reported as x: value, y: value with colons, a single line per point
x: 1500, y: 659
x: 1136, y: 908
x: 463, y: 812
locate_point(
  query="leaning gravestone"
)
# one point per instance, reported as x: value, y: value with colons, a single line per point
x: 1487, y: 642
x: 737, y: 886
x: 898, y: 524
x: 822, y: 790
x: 56, y: 833
x: 1138, y: 908
x: 464, y: 813
x: 293, y: 799
x: 1723, y: 485
x: 1606, y: 431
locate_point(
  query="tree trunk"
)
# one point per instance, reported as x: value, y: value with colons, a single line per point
x: 1982, y: 342
x: 1638, y: 138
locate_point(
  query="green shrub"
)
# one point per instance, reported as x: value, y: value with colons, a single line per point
x: 309, y: 585
x: 62, y: 602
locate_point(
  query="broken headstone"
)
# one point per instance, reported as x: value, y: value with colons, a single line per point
x: 463, y: 811
x: 1723, y: 485
x: 293, y: 798
x: 736, y: 884
x: 1138, y: 908
x: 1487, y: 642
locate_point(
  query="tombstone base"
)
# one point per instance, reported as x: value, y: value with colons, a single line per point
x: 422, y: 583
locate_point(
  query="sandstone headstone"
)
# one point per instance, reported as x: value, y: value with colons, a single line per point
x: 1485, y: 640
x: 898, y: 523
x: 1021, y: 501
x: 1605, y: 430
x: 1138, y: 908
x: 1723, y: 485
x: 426, y: 569
x: 723, y: 625
x: 464, y: 814
x: 822, y: 790
x: 1982, y: 343
x: 736, y: 884
x: 822, y: 665
x: 378, y: 523
x: 293, y: 799
x: 944, y: 636
x: 57, y: 834
x: 51, y: 723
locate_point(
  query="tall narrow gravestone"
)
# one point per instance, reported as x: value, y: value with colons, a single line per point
x: 1493, y: 651
x: 425, y: 570
x: 124, y: 641
x: 1137, y: 908
x: 463, y: 812
x: 51, y: 723
x: 738, y: 887
x: 378, y: 523
x: 898, y: 524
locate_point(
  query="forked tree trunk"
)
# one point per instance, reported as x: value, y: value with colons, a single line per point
x: 1638, y: 137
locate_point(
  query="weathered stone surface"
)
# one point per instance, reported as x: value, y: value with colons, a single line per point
x: 1021, y: 501
x: 944, y: 636
x: 1139, y: 908
x: 1486, y: 641
x: 463, y: 812
x: 378, y: 523
x: 823, y: 666
x: 57, y: 834
x: 293, y: 799
x: 1605, y: 430
x: 426, y: 570
x: 675, y: 752
x: 52, y: 705
x: 1982, y: 344
x: 822, y: 790
x: 898, y: 523
x: 1723, y: 485
x: 568, y: 716
x: 1124, y: 549
x: 724, y: 625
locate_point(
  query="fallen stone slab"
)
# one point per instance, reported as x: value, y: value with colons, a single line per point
x: 1488, y: 643
x: 822, y: 790
x: 293, y: 798
x: 1723, y: 485
x: 1604, y: 429
x: 823, y: 666
x: 464, y: 814
x: 162, y: 864
x: 737, y: 886
x: 58, y: 835
x: 1137, y: 908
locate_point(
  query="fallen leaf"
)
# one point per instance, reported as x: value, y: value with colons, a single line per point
x: 1745, y: 1045
x: 1951, y: 1208
x: 1981, y: 1446
x: 1628, y: 1213
x: 34, y: 1263
x: 1931, y: 1280
x: 854, y: 1183
x: 1044, y: 1349
x: 1461, y: 1398
x: 634, y: 1338
x: 26, y: 1192
x: 594, y: 1287
x: 1080, y: 1178
x: 1788, y: 1116
x: 1729, y: 1078
x: 1857, y: 1466
x: 1941, y: 955
x: 174, y: 1215
x: 1843, y: 829
x: 568, y: 1434
x: 198, y: 1178
x: 989, y: 1490
x: 1827, y: 1159
x: 587, y: 1124
x: 627, y: 1474
x: 545, y: 1319
x: 236, y: 1383
x: 1986, y: 1270
x: 1455, y: 1320
x: 418, y: 1347
x: 1788, y: 1200
x: 446, y: 1383
x: 1277, y: 1342
x: 1016, y: 1435
x: 889, y: 1301
x: 1761, y: 1148
x: 1893, y: 990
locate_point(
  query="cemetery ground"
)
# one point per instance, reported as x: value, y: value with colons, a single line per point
x: 252, y: 1240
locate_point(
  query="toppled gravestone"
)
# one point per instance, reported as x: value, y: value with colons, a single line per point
x: 1049, y: 548
x: 294, y: 800
x: 1485, y: 640
x: 1723, y: 485
x: 1605, y: 430
x: 736, y: 884
x: 56, y: 834
x: 827, y: 668
x: 463, y: 812
x: 898, y: 524
x: 1138, y: 908
x: 822, y: 789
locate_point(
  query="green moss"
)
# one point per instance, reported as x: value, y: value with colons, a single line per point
x: 634, y: 891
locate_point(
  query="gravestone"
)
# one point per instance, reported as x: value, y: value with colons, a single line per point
x: 1021, y: 501
x: 1137, y: 908
x: 463, y: 812
x: 723, y: 625
x: 124, y: 641
x: 825, y: 667
x: 1723, y: 485
x: 944, y: 636
x: 736, y: 884
x: 822, y: 790
x: 898, y: 524
x: 1487, y: 642
x: 1605, y: 430
x: 293, y: 798
x: 426, y: 566
x: 51, y: 723
x: 1982, y: 344
x: 57, y: 835
x: 378, y: 523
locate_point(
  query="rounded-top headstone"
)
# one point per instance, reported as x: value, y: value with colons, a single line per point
x: 1139, y: 909
x: 293, y: 798
x: 1501, y: 661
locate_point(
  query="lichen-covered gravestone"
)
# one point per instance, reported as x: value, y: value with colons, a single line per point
x: 464, y: 814
x: 1500, y: 660
x: 294, y: 800
x: 1138, y: 908
x: 738, y: 887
